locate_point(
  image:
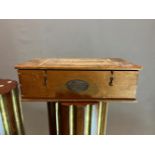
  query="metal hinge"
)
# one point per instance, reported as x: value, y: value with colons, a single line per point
x: 45, y: 78
x: 111, y: 78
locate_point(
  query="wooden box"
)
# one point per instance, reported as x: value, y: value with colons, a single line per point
x: 78, y: 79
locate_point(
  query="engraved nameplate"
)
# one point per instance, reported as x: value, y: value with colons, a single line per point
x: 77, y: 85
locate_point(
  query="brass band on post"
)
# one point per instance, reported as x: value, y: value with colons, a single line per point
x: 87, y: 119
x: 4, y: 116
x: 71, y: 119
x: 17, y: 111
x: 102, y: 118
x: 57, y: 118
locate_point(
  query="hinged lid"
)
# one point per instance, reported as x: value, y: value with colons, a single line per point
x: 79, y: 64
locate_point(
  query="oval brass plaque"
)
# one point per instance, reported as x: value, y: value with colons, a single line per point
x: 77, y: 85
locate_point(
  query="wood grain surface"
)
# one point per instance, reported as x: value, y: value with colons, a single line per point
x: 6, y: 85
x: 33, y: 85
x: 79, y: 64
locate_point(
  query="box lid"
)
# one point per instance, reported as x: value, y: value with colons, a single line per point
x: 79, y: 64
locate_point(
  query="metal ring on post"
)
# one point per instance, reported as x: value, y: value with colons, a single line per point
x: 102, y: 118
x: 57, y: 116
x: 4, y: 116
x: 17, y: 111
x: 87, y: 119
x: 20, y: 112
x: 71, y: 119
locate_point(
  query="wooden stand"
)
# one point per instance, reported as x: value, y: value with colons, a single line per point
x: 10, y: 108
x: 76, y: 119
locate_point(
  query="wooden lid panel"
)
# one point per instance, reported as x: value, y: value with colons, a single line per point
x: 79, y: 64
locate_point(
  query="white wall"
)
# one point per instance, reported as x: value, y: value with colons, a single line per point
x: 130, y: 39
